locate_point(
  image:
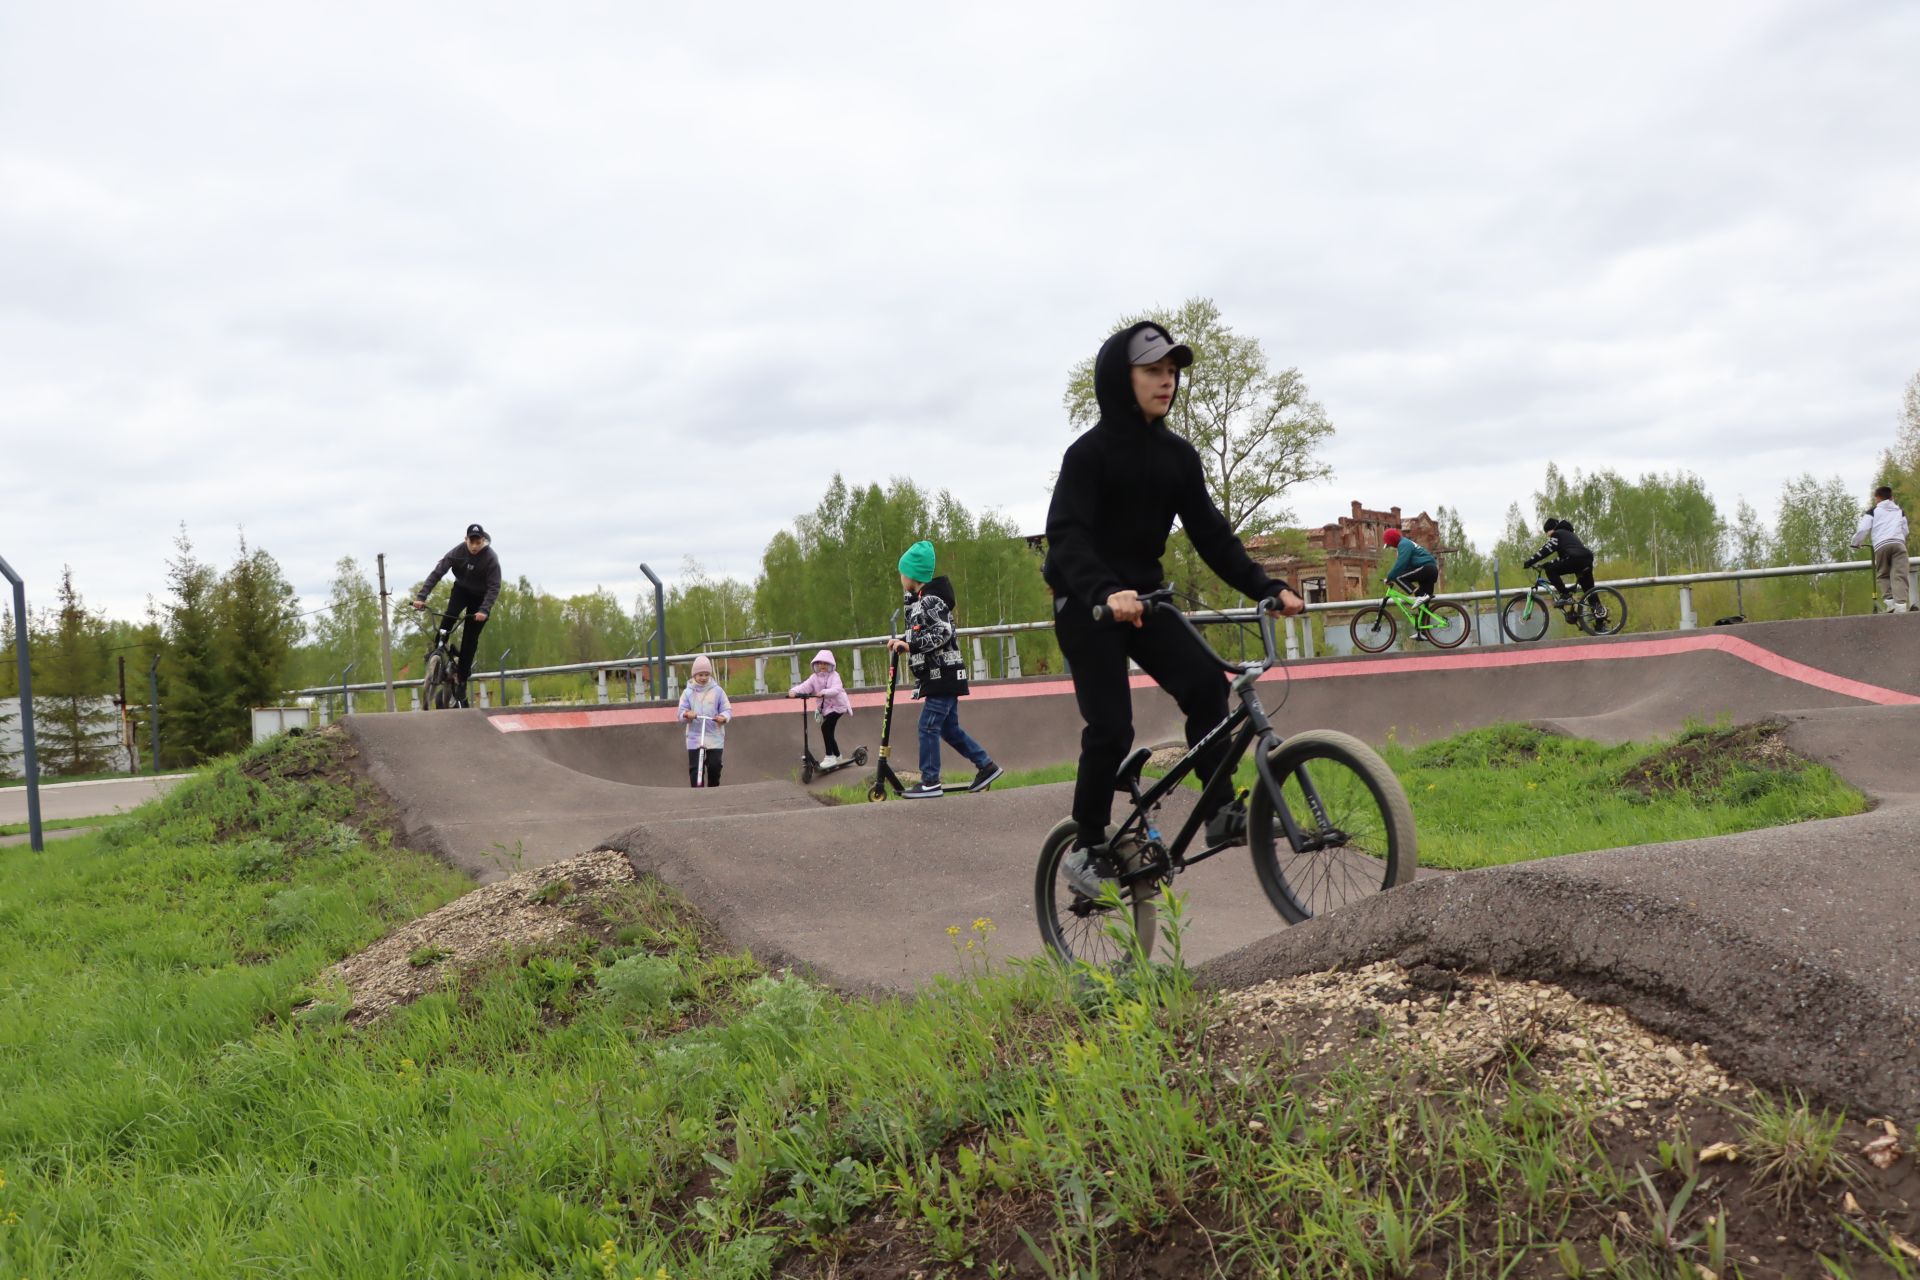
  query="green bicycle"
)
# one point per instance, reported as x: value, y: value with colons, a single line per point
x: 1439, y: 622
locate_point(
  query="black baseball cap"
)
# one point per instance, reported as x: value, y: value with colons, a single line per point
x: 475, y: 531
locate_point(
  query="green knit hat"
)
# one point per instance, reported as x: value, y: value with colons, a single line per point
x: 917, y: 563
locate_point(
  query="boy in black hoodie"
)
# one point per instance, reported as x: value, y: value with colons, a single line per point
x: 933, y: 655
x: 1564, y: 553
x: 476, y: 585
x: 1121, y: 486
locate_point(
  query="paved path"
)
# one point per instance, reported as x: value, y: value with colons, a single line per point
x: 85, y: 799
x: 1787, y: 950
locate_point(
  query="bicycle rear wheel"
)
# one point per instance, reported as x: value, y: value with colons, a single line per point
x: 1373, y: 629
x: 1450, y: 624
x: 1350, y: 811
x: 1076, y: 928
x: 1524, y: 618
x: 1603, y: 611
x: 436, y: 689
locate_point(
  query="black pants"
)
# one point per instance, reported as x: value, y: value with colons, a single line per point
x: 713, y: 766
x: 1097, y: 654
x: 463, y: 601
x: 1581, y: 567
x: 827, y: 722
x: 1421, y: 581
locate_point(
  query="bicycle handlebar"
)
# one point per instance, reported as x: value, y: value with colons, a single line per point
x: 1162, y: 601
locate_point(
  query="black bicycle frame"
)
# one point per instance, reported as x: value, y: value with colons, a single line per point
x: 1245, y: 725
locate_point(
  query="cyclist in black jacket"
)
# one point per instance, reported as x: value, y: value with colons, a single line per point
x: 1122, y: 484
x: 1564, y: 553
x: 476, y: 585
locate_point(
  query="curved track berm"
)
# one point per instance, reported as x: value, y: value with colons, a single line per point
x: 1788, y: 951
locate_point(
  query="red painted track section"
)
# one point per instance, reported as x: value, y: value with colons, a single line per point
x: 1472, y: 660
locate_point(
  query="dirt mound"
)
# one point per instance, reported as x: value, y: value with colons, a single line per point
x: 524, y: 910
x: 1704, y: 762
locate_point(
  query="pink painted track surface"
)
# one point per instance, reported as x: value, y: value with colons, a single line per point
x: 862, y: 894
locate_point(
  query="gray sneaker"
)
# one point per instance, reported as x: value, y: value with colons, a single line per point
x: 1229, y: 826
x: 1090, y: 871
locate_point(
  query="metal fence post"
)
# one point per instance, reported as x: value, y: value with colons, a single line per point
x: 36, y: 838
x: 503, y: 675
x: 859, y: 676
x: 1687, y: 620
x: 600, y: 683
x: 526, y: 693
x: 346, y: 694
x: 661, y: 676
x: 979, y: 660
x: 760, y: 676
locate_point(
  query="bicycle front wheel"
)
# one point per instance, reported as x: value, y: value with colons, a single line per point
x: 1449, y: 626
x: 436, y: 689
x: 1373, y: 629
x: 1603, y: 611
x: 1524, y: 618
x: 1075, y: 927
x: 1355, y: 827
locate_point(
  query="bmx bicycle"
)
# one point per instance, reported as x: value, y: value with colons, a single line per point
x: 810, y: 766
x: 1327, y: 822
x: 1440, y: 622
x: 1599, y: 612
x: 440, y: 686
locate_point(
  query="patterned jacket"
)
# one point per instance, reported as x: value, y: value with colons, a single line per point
x: 933, y: 647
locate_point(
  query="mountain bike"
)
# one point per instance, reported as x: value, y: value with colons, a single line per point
x: 1327, y: 822
x: 1441, y: 622
x: 439, y: 683
x: 1599, y: 612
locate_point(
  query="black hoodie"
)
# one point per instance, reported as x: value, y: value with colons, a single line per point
x: 1121, y: 486
x: 1562, y: 543
x: 477, y: 575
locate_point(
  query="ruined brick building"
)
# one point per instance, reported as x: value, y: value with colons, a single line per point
x: 1344, y: 560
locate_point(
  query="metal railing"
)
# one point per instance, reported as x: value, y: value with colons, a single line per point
x: 1299, y: 640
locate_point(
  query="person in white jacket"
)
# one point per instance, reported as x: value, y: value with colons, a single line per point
x: 1886, y: 527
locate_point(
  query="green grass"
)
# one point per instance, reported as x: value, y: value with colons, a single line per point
x: 1508, y: 793
x: 50, y: 779
x: 646, y: 1103
x: 855, y: 792
x: 52, y: 824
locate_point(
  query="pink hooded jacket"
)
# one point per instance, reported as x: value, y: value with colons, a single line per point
x: 826, y: 686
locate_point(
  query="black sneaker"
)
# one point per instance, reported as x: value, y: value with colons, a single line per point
x: 986, y: 777
x: 922, y: 791
x: 1227, y: 827
x: 1089, y: 872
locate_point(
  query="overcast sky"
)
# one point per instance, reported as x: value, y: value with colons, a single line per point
x: 630, y: 281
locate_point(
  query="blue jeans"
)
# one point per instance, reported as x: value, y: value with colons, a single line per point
x: 940, y: 718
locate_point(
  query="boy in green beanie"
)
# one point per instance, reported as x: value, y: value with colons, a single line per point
x: 933, y: 656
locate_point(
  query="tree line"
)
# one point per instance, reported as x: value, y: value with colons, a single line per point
x: 235, y: 637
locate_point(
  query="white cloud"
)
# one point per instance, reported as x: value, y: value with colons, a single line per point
x: 630, y: 285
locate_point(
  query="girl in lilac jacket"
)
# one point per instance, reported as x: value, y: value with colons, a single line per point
x: 705, y: 708
x: 825, y: 685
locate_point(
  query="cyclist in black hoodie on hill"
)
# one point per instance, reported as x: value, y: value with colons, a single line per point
x: 1564, y: 553
x: 1122, y: 484
x: 476, y: 585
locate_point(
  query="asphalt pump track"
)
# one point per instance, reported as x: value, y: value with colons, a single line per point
x: 1790, y: 951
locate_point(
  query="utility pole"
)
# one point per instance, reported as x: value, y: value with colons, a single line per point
x: 386, y: 633
x: 153, y: 712
x: 127, y: 740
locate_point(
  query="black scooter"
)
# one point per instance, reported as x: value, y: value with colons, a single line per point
x: 811, y: 768
x: 884, y: 777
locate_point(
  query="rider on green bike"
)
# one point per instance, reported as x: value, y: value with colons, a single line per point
x: 1414, y: 570
x: 1563, y: 552
x: 1122, y: 484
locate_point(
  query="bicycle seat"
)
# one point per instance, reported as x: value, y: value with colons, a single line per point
x: 1129, y: 771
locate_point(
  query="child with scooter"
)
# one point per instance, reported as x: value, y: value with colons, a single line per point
x: 825, y: 685
x: 705, y: 708
x: 933, y: 654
